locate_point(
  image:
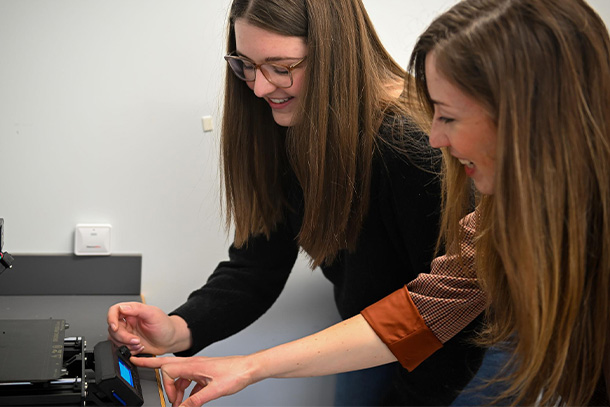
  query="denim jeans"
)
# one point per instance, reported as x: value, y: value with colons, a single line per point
x: 364, y: 387
x: 478, y: 392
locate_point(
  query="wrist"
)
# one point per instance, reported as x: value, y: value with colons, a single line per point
x: 182, y: 339
x: 257, y: 366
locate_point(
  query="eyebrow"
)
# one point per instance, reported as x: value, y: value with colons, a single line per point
x: 268, y: 59
x: 436, y: 102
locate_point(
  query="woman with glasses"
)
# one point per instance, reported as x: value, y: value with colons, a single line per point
x: 320, y: 154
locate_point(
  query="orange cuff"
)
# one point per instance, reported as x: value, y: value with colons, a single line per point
x: 397, y: 322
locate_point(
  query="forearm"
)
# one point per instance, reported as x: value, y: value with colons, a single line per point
x: 346, y: 346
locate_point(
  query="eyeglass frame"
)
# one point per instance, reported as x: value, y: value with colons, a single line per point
x: 290, y: 68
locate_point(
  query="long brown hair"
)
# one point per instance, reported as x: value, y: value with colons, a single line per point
x: 542, y: 70
x: 330, y: 147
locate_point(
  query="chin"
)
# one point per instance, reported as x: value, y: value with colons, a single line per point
x: 485, y: 189
x: 282, y: 119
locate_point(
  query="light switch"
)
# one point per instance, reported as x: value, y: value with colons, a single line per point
x: 206, y: 121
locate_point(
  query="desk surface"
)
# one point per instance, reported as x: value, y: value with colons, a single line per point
x: 86, y: 316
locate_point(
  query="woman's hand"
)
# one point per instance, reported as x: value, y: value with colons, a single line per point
x: 145, y: 328
x: 213, y: 377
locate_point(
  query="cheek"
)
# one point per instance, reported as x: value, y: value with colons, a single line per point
x: 492, y: 146
x: 490, y: 157
x: 298, y: 81
x: 487, y: 141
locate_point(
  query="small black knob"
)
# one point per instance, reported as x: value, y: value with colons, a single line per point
x: 125, y: 352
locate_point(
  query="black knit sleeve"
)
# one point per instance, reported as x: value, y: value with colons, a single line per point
x: 240, y: 290
x: 411, y: 195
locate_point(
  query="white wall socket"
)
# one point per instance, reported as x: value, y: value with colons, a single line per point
x: 92, y: 240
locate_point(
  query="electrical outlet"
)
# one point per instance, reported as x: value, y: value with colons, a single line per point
x: 92, y: 240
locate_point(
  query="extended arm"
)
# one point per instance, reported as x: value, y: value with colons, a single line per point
x: 348, y: 345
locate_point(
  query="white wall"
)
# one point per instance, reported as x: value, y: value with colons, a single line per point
x: 100, y: 122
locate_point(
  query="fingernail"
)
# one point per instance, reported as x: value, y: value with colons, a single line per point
x: 134, y: 341
x: 113, y: 326
x: 125, y: 307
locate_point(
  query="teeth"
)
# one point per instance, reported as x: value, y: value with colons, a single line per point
x: 279, y: 101
x: 467, y: 163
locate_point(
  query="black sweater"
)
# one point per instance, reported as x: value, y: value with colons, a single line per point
x: 396, y: 243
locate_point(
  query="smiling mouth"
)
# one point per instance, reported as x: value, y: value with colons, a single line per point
x: 467, y: 163
x: 279, y: 101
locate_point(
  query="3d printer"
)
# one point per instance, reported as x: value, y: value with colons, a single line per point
x: 39, y: 365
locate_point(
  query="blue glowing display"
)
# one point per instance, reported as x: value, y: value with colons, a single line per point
x: 125, y: 372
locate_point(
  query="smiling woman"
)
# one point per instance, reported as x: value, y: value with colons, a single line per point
x: 535, y: 77
x: 463, y: 126
x: 257, y: 44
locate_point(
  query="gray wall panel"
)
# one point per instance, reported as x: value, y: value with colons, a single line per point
x: 67, y: 274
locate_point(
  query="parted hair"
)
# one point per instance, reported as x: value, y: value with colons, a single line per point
x: 541, y: 68
x: 330, y: 146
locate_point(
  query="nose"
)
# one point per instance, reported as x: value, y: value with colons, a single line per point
x: 261, y: 85
x: 438, y: 137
